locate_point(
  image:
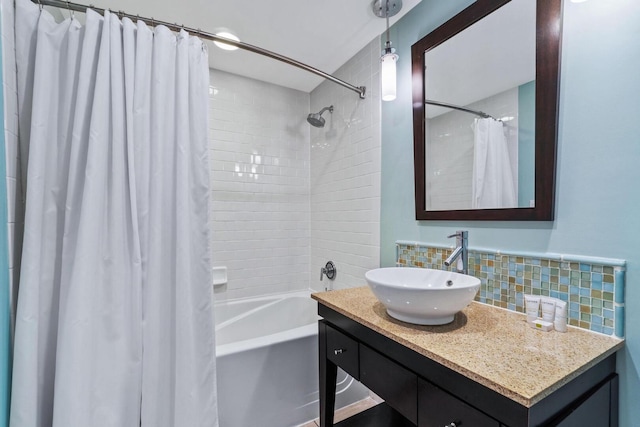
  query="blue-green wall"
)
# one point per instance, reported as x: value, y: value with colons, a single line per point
x: 526, y: 142
x: 597, y: 199
x: 5, y: 334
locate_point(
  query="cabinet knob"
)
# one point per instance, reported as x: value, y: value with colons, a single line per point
x: 455, y: 424
x: 338, y: 351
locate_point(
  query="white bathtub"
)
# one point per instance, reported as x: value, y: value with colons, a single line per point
x: 267, y: 362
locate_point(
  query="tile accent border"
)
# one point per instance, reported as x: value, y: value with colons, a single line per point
x: 593, y: 287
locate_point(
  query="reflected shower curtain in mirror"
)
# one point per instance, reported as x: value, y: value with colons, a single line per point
x: 114, y: 321
x: 493, y: 184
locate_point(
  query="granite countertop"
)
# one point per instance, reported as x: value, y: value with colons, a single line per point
x: 492, y: 346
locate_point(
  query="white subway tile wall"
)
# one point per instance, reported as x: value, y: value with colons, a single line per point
x: 15, y: 205
x: 345, y: 174
x: 259, y: 157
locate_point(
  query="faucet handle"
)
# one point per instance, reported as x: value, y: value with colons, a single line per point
x: 328, y: 270
x: 459, y: 233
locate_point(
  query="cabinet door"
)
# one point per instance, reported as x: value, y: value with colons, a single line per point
x: 594, y: 411
x: 437, y: 408
x: 391, y: 381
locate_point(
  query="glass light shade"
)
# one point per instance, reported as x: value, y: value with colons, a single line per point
x: 223, y: 45
x: 388, y: 76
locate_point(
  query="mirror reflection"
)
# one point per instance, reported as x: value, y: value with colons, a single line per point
x: 480, y: 114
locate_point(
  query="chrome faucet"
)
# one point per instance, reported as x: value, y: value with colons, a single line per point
x: 460, y: 252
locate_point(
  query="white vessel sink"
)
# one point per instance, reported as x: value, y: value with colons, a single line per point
x: 421, y: 295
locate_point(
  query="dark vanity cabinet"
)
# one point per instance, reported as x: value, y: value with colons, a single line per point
x: 421, y: 392
x: 439, y: 408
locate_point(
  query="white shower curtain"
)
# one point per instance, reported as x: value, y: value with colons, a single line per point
x: 493, y: 184
x: 114, y: 321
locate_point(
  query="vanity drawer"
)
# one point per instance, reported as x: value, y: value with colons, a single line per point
x: 343, y: 351
x: 394, y: 383
x: 438, y: 408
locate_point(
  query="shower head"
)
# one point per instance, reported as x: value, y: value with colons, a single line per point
x: 316, y: 119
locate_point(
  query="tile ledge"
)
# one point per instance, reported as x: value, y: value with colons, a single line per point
x: 615, y: 262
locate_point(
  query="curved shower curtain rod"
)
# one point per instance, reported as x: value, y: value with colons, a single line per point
x: 361, y: 90
x: 457, y: 107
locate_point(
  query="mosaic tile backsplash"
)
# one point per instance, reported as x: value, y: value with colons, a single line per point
x: 594, y: 292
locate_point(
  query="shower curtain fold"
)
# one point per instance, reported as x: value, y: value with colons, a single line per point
x: 114, y: 322
x: 493, y: 185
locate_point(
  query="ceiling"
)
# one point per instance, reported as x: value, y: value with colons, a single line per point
x: 323, y: 34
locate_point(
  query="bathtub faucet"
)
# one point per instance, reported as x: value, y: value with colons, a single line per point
x: 330, y: 271
x: 460, y: 252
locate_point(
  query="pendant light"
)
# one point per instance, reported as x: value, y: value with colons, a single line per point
x: 385, y: 9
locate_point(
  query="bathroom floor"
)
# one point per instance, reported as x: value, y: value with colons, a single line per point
x: 347, y: 411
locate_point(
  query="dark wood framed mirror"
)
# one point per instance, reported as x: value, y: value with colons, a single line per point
x: 439, y: 168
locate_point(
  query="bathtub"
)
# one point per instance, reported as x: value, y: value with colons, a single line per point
x: 267, y: 362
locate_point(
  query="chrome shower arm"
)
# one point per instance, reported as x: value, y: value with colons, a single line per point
x: 330, y: 108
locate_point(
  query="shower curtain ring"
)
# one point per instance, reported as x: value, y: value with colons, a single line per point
x: 40, y: 5
x: 72, y: 13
